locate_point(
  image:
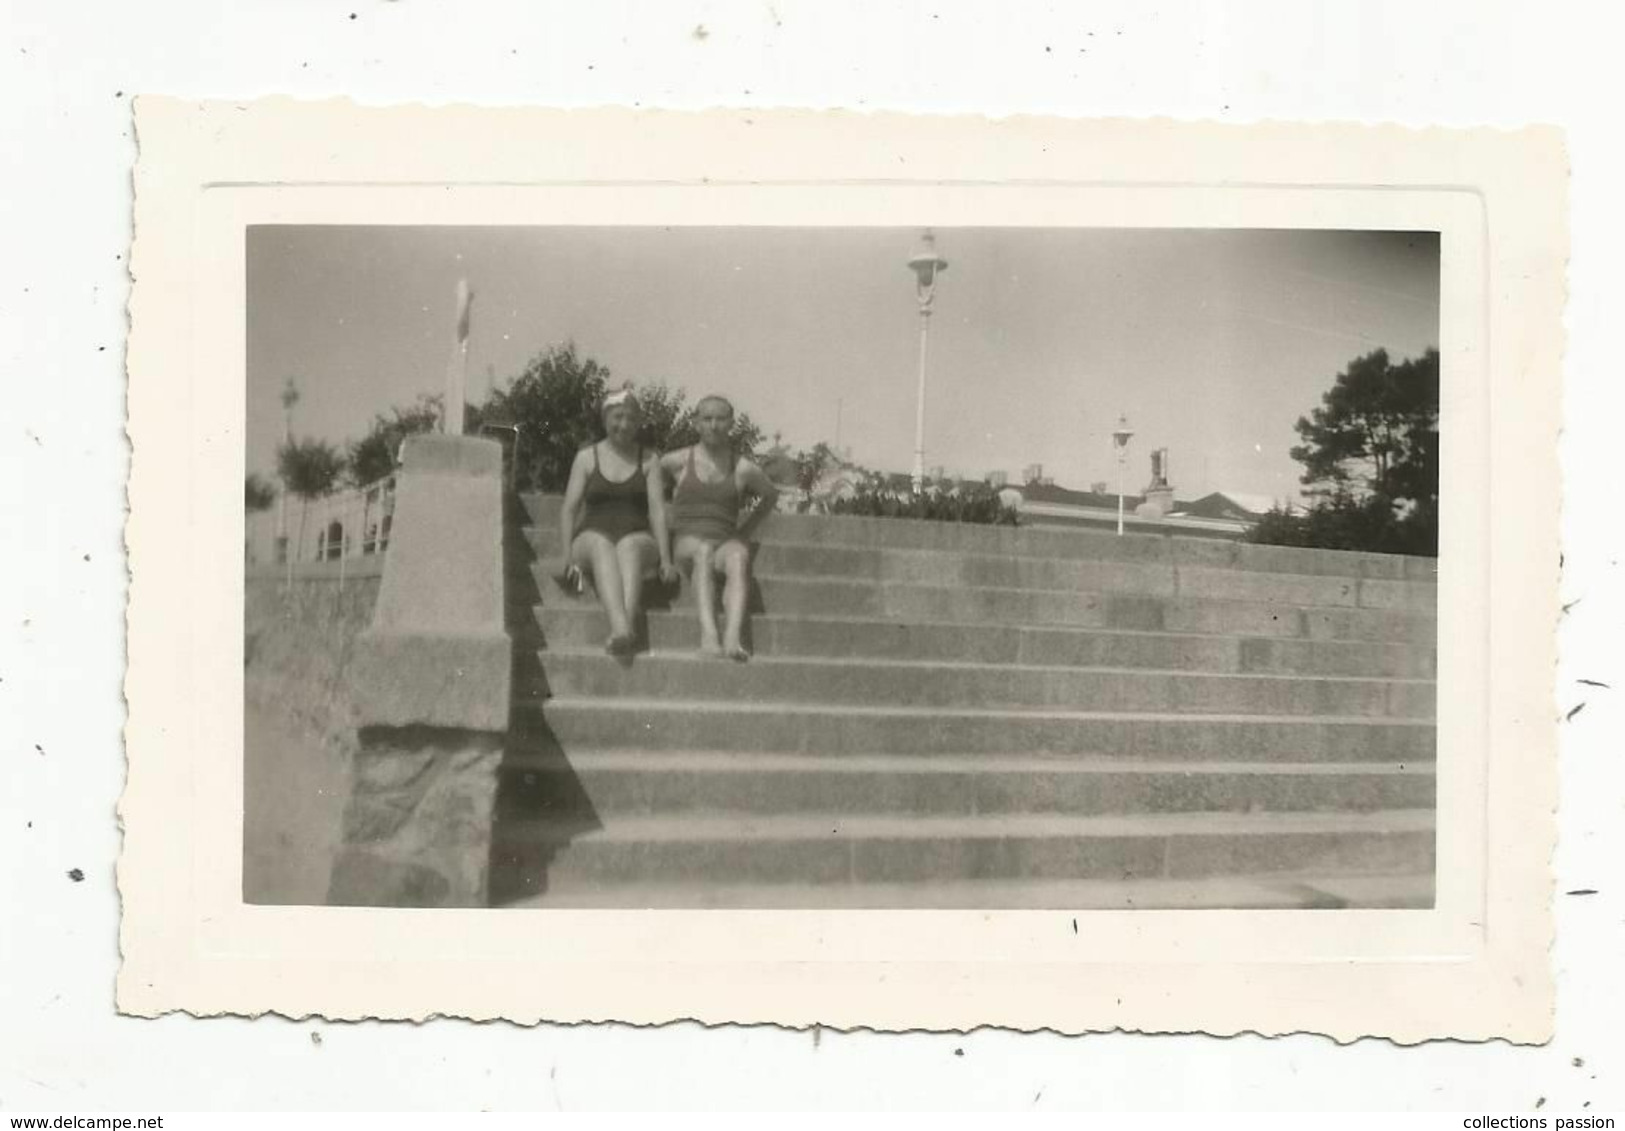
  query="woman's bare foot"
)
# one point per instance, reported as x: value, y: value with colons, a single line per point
x: 620, y: 644
x: 736, y: 653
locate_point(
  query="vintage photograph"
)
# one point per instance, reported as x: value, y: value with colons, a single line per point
x: 841, y: 567
x: 889, y: 572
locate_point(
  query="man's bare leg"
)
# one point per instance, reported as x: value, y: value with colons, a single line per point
x: 734, y: 558
x: 706, y: 593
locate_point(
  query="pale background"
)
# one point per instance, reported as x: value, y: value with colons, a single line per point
x: 1211, y: 342
x: 66, y: 79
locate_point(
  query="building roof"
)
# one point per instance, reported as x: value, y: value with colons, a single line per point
x: 1227, y: 504
x: 1065, y: 496
x: 1234, y: 505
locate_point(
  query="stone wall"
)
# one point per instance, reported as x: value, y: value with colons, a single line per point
x: 298, y: 641
x: 299, y: 723
x: 417, y: 825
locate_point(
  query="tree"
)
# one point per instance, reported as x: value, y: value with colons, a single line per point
x: 667, y: 416
x: 258, y: 494
x: 1371, y: 458
x: 556, y: 402
x: 373, y: 456
x: 812, y: 463
x: 1376, y: 432
x: 309, y: 469
x: 679, y: 430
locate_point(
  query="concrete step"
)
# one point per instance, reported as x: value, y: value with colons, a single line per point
x: 1009, y: 571
x: 661, y: 725
x: 608, y: 784
x: 803, y: 596
x: 686, y: 675
x: 843, y: 849
x: 1052, y: 542
x: 1258, y: 733
x: 1283, y: 891
x: 583, y: 625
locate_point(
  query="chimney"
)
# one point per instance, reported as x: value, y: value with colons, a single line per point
x: 1159, y: 496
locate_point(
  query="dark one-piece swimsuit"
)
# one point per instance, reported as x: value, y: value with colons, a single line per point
x: 616, y: 509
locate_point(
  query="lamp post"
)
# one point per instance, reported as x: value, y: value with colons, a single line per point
x: 1121, y: 435
x: 926, y: 265
x: 290, y: 397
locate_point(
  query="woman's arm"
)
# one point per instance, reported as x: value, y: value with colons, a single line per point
x: 570, y: 510
x: 753, y: 481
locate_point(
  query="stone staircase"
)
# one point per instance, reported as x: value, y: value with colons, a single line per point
x: 941, y: 715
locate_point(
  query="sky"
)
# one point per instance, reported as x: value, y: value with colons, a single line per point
x: 1211, y: 343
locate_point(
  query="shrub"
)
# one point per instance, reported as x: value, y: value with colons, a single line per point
x: 1343, y: 522
x: 965, y: 502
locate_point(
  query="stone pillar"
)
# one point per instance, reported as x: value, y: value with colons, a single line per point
x: 431, y: 685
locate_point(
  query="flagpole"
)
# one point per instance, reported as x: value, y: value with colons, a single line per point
x: 457, y: 375
x: 455, y: 391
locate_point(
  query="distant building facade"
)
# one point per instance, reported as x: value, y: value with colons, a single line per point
x: 1214, y: 515
x: 1040, y: 501
x: 348, y: 523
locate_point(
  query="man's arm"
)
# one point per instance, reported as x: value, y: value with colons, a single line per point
x: 655, y: 480
x: 753, y: 481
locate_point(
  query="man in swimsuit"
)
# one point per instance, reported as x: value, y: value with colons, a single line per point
x: 710, y: 530
x: 613, y: 521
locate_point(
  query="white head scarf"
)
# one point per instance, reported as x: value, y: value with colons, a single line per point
x: 621, y: 396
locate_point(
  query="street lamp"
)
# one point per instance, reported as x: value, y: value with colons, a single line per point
x: 290, y: 397
x: 926, y: 265
x: 1121, y: 435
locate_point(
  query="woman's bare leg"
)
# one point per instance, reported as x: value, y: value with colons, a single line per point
x: 595, y: 554
x: 635, y: 554
x: 734, y: 560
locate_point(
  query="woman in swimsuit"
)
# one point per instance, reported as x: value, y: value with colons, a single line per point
x: 711, y: 534
x: 614, y: 519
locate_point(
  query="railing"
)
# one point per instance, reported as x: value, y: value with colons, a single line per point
x: 346, y: 525
x: 351, y: 524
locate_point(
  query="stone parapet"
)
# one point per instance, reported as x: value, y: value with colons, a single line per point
x: 431, y: 677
